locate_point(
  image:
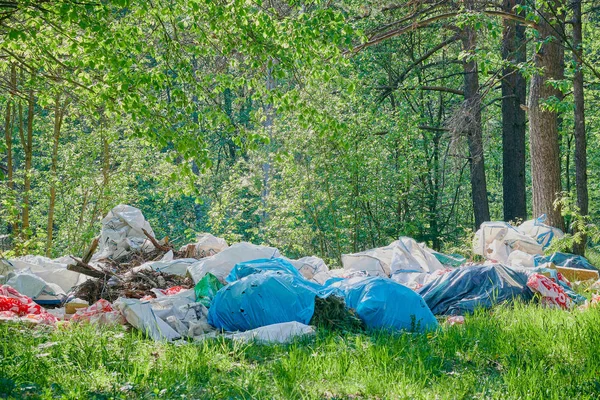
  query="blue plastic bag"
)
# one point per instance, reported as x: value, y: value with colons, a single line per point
x: 261, y: 299
x: 246, y: 268
x: 384, y: 304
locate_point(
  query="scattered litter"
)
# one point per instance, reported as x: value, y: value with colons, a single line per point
x: 221, y: 264
x: 206, y: 245
x: 15, y: 306
x: 123, y: 232
x: 101, y: 312
x: 455, y: 320
x: 384, y: 304
x: 284, y: 332
x: 465, y: 289
x: 263, y: 299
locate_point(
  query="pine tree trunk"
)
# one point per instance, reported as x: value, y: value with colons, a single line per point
x: 474, y: 131
x: 58, y: 116
x: 580, y: 134
x: 513, y: 119
x: 543, y: 123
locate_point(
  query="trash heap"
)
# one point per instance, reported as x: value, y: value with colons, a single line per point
x: 252, y: 292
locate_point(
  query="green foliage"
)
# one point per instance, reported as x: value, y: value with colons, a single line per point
x: 513, y: 352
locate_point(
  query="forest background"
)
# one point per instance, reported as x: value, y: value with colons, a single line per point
x: 318, y: 127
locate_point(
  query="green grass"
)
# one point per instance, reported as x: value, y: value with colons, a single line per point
x: 523, y: 352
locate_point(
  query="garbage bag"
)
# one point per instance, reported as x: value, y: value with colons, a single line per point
x: 221, y: 264
x: 465, y: 289
x: 311, y: 267
x: 246, y: 268
x: 277, y: 333
x: 122, y: 232
x: 496, y: 240
x: 206, y: 245
x: 206, y: 289
x: 142, y: 316
x: 547, y: 270
x: 50, y: 271
x: 542, y: 233
x: 262, y: 299
x: 403, y: 254
x: 15, y: 306
x: 384, y: 304
x: 565, y: 260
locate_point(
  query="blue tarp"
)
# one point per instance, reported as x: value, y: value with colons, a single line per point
x: 246, y: 268
x: 465, y: 289
x: 384, y: 304
x: 263, y: 299
x: 565, y: 260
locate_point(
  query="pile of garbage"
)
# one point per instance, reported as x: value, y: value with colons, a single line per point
x: 252, y: 292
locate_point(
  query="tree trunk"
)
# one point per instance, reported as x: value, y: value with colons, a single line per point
x: 543, y: 123
x: 474, y: 131
x: 580, y: 135
x: 58, y: 117
x: 28, y: 147
x: 513, y: 119
x: 8, y: 138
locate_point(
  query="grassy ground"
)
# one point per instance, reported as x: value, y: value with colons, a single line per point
x: 521, y: 352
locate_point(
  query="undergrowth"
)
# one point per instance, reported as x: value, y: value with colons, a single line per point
x: 512, y: 352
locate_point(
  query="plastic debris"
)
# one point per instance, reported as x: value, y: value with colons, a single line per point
x: 263, y: 299
x: 221, y: 264
x: 404, y: 254
x: 542, y: 233
x: 246, y: 268
x: 284, y: 332
x: 101, y: 312
x: 565, y: 260
x: 455, y: 320
x: 206, y: 289
x: 123, y: 232
x: 18, y: 307
x: 465, y: 289
x: 384, y: 304
x: 206, y: 245
x: 552, y: 294
x: 312, y: 268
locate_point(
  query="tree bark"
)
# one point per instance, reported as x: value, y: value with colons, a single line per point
x: 474, y: 131
x: 8, y: 135
x: 513, y: 118
x: 28, y: 147
x: 58, y: 117
x: 543, y: 123
x: 580, y: 134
